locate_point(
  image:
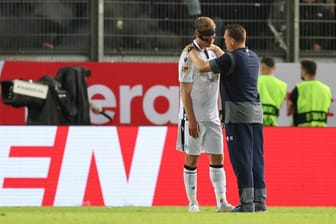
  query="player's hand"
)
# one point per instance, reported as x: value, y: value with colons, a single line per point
x: 214, y: 47
x: 222, y: 122
x: 194, y: 130
x: 222, y: 125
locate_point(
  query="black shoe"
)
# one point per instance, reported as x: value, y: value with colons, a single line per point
x: 237, y: 209
x: 260, y: 208
x: 243, y: 208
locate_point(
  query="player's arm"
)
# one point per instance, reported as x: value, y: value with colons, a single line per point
x: 185, y: 89
x: 200, y: 64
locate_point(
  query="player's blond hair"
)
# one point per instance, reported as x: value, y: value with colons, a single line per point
x: 203, y: 23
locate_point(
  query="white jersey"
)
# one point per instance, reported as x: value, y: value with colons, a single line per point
x: 205, y: 87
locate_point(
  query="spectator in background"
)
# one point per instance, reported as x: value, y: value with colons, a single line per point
x: 310, y: 100
x: 316, y: 26
x: 272, y: 91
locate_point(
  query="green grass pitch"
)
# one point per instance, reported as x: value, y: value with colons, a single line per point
x: 163, y: 215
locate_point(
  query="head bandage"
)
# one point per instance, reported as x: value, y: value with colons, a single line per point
x: 206, y: 33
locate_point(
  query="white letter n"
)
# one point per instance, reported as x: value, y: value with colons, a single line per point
x: 103, y: 142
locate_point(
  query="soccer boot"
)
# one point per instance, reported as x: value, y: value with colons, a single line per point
x: 193, y: 207
x: 225, y: 208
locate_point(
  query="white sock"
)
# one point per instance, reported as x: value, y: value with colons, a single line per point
x: 218, y: 179
x: 190, y: 184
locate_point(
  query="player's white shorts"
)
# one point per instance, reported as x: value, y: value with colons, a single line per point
x: 210, y: 139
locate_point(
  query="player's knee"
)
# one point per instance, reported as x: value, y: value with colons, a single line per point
x: 191, y: 161
x: 216, y: 159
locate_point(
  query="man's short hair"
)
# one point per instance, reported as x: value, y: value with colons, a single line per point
x: 268, y: 61
x: 309, y: 66
x: 237, y: 32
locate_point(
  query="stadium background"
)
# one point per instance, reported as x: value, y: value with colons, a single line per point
x: 135, y: 45
x: 147, y: 30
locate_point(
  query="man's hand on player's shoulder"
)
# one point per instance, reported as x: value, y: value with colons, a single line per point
x: 216, y: 49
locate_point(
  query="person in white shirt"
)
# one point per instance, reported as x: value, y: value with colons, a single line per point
x: 199, y: 126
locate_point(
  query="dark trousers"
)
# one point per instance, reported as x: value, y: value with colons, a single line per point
x: 245, y: 142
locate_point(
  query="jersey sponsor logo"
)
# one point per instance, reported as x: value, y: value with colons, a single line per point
x: 185, y: 68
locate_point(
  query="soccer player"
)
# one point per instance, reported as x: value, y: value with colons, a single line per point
x: 199, y: 125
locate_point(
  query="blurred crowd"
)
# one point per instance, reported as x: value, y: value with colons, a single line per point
x: 35, y: 24
x: 149, y: 24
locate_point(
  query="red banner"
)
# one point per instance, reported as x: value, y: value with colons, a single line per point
x: 139, y: 166
x: 137, y: 93
x: 131, y: 93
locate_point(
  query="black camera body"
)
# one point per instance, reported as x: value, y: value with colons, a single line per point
x: 62, y: 100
